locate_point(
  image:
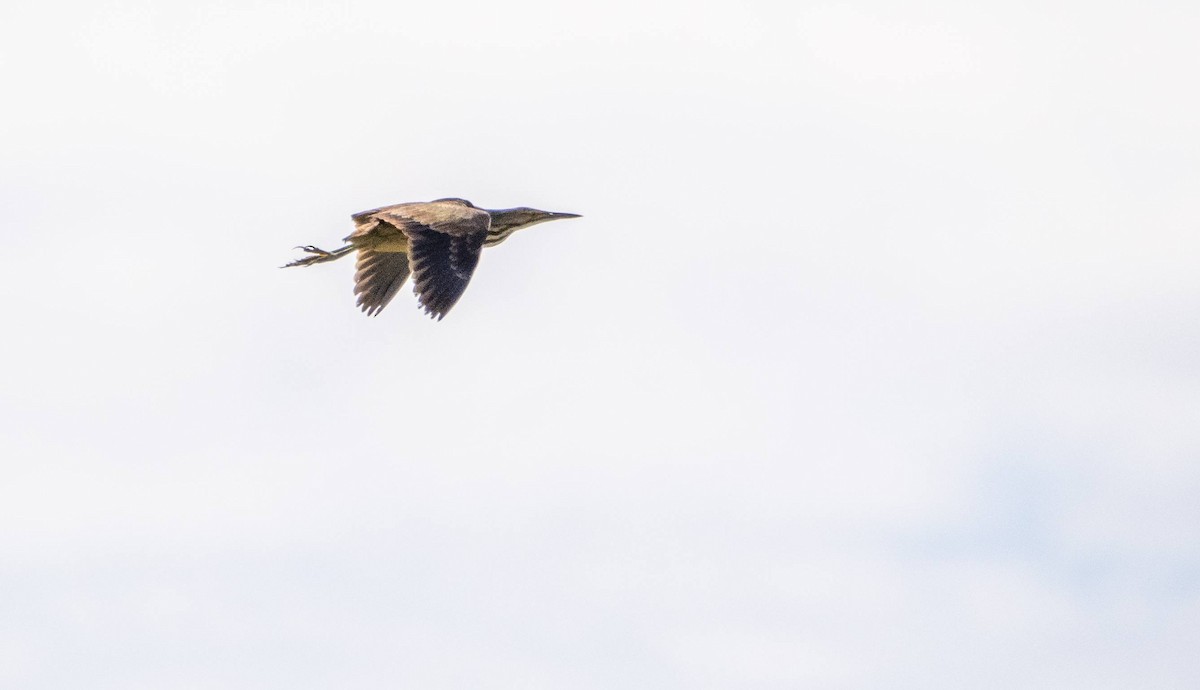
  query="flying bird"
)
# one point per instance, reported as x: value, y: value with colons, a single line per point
x: 437, y: 242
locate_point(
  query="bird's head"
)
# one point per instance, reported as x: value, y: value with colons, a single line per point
x: 510, y: 219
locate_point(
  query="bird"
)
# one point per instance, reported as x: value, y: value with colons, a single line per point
x: 438, y: 242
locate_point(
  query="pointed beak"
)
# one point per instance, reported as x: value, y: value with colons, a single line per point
x: 555, y: 215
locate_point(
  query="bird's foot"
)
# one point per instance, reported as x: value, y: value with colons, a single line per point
x: 318, y: 256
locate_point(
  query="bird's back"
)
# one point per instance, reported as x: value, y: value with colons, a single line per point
x: 439, y: 208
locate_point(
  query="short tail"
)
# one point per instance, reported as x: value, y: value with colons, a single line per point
x: 319, y: 256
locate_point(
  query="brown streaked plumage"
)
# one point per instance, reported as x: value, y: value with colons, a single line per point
x: 437, y: 242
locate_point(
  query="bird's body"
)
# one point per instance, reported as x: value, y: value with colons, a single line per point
x: 437, y: 242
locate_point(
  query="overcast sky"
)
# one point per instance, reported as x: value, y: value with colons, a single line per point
x: 873, y: 362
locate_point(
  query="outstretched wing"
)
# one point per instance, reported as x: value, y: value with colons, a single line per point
x: 378, y: 278
x: 445, y: 239
x: 442, y: 266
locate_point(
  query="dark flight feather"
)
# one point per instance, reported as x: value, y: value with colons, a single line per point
x: 378, y: 277
x: 442, y: 266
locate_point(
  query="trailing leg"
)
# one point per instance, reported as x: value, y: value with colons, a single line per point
x: 320, y: 256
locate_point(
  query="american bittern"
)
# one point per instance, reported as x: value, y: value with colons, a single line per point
x: 439, y: 242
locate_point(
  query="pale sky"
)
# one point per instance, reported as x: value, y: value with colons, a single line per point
x: 873, y: 362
